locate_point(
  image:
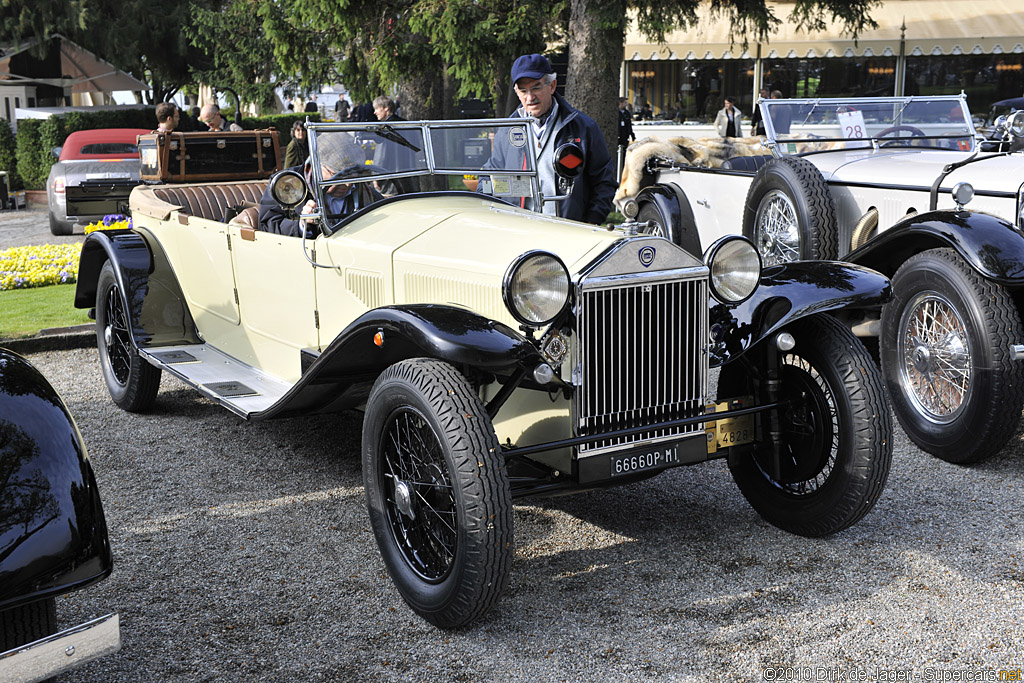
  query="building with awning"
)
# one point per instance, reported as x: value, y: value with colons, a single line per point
x: 65, y: 75
x: 919, y: 47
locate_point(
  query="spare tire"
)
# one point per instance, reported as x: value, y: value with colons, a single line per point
x: 789, y: 213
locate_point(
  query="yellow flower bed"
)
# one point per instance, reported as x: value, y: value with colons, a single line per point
x: 52, y: 264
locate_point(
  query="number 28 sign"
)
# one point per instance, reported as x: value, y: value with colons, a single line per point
x: 852, y: 122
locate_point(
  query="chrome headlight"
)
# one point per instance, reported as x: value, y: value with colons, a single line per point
x: 1016, y: 124
x: 536, y: 288
x: 288, y: 189
x: 735, y: 268
x: 1020, y: 207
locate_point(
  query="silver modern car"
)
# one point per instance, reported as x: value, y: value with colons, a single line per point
x: 94, y: 174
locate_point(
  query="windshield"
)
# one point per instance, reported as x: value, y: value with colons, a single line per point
x: 455, y: 152
x: 804, y: 126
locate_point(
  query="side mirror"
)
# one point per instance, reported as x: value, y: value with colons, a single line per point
x: 569, y: 161
x: 56, y: 152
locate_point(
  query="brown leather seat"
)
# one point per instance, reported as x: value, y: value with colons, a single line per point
x: 211, y: 201
x: 249, y: 218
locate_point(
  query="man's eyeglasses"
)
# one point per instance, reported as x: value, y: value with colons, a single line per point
x: 535, y: 90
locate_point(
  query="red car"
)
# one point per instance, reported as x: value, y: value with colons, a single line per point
x: 94, y: 174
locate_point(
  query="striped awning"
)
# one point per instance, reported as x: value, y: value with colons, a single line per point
x: 933, y: 27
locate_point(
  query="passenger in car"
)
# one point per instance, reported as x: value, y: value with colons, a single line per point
x: 340, y: 157
x: 211, y: 116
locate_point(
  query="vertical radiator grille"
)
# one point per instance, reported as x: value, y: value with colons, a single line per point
x: 640, y: 358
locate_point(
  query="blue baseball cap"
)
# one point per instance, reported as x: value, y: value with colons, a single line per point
x: 531, y: 66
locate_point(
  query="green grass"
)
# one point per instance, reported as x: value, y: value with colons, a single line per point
x: 23, y: 312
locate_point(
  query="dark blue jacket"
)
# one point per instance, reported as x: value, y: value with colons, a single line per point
x: 592, y: 192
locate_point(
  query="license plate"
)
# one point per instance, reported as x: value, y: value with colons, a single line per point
x: 649, y: 458
x: 729, y: 431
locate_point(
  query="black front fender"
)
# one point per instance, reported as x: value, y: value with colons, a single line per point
x: 341, y: 376
x: 53, y: 535
x: 789, y: 292
x: 991, y: 245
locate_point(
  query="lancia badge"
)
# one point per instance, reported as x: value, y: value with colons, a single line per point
x: 517, y: 137
x: 647, y: 256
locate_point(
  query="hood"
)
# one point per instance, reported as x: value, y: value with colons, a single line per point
x: 463, y: 259
x: 920, y: 168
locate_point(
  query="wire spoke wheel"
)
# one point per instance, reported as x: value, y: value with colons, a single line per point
x: 777, y: 230
x: 421, y: 503
x: 132, y: 382
x: 810, y: 431
x: 835, y: 434
x: 936, y: 356
x: 437, y: 492
x: 115, y: 335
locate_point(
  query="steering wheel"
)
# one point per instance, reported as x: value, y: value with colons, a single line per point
x: 914, y: 133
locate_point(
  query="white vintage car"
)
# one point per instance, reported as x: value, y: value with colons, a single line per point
x: 496, y: 352
x: 900, y: 185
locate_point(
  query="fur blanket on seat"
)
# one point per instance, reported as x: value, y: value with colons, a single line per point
x: 706, y: 152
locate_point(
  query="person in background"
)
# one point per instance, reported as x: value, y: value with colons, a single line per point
x: 728, y: 123
x: 311, y: 105
x: 196, y: 123
x: 392, y: 155
x: 167, y: 116
x: 298, y: 149
x: 626, y: 133
x: 782, y: 117
x: 341, y: 108
x: 211, y: 116
x: 556, y: 123
x: 756, y: 124
x: 340, y: 156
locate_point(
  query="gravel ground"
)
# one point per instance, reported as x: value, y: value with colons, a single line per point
x: 243, y: 552
x: 31, y: 227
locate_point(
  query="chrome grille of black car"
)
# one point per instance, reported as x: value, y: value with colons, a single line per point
x: 640, y: 358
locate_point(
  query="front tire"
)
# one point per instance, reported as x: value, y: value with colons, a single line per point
x: 789, y: 213
x: 946, y: 345
x: 836, y: 433
x: 437, y: 492
x: 132, y: 382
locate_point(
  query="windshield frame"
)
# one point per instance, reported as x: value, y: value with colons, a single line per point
x: 320, y: 184
x: 782, y: 146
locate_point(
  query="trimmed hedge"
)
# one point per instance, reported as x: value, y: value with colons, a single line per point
x: 37, y: 137
x: 8, y: 156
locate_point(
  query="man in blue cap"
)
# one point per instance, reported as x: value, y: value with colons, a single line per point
x: 557, y: 123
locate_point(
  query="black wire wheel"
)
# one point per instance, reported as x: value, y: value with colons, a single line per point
x: 132, y: 382
x: 836, y: 432
x: 946, y: 351
x: 437, y: 492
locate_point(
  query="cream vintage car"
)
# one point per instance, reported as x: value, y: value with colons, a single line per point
x: 496, y: 352
x: 904, y: 185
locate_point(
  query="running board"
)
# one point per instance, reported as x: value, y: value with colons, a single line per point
x: 240, y: 388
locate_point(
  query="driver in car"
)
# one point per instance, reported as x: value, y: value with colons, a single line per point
x: 340, y: 157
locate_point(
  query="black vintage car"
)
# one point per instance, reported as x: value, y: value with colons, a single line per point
x: 53, y: 535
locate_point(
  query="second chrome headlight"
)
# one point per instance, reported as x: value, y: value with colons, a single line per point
x: 536, y: 288
x: 735, y: 268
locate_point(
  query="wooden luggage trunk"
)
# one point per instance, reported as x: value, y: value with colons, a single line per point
x: 197, y: 157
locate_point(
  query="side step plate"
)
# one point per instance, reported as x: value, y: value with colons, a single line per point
x: 240, y: 388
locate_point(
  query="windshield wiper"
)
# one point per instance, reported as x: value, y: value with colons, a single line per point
x: 389, y: 133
